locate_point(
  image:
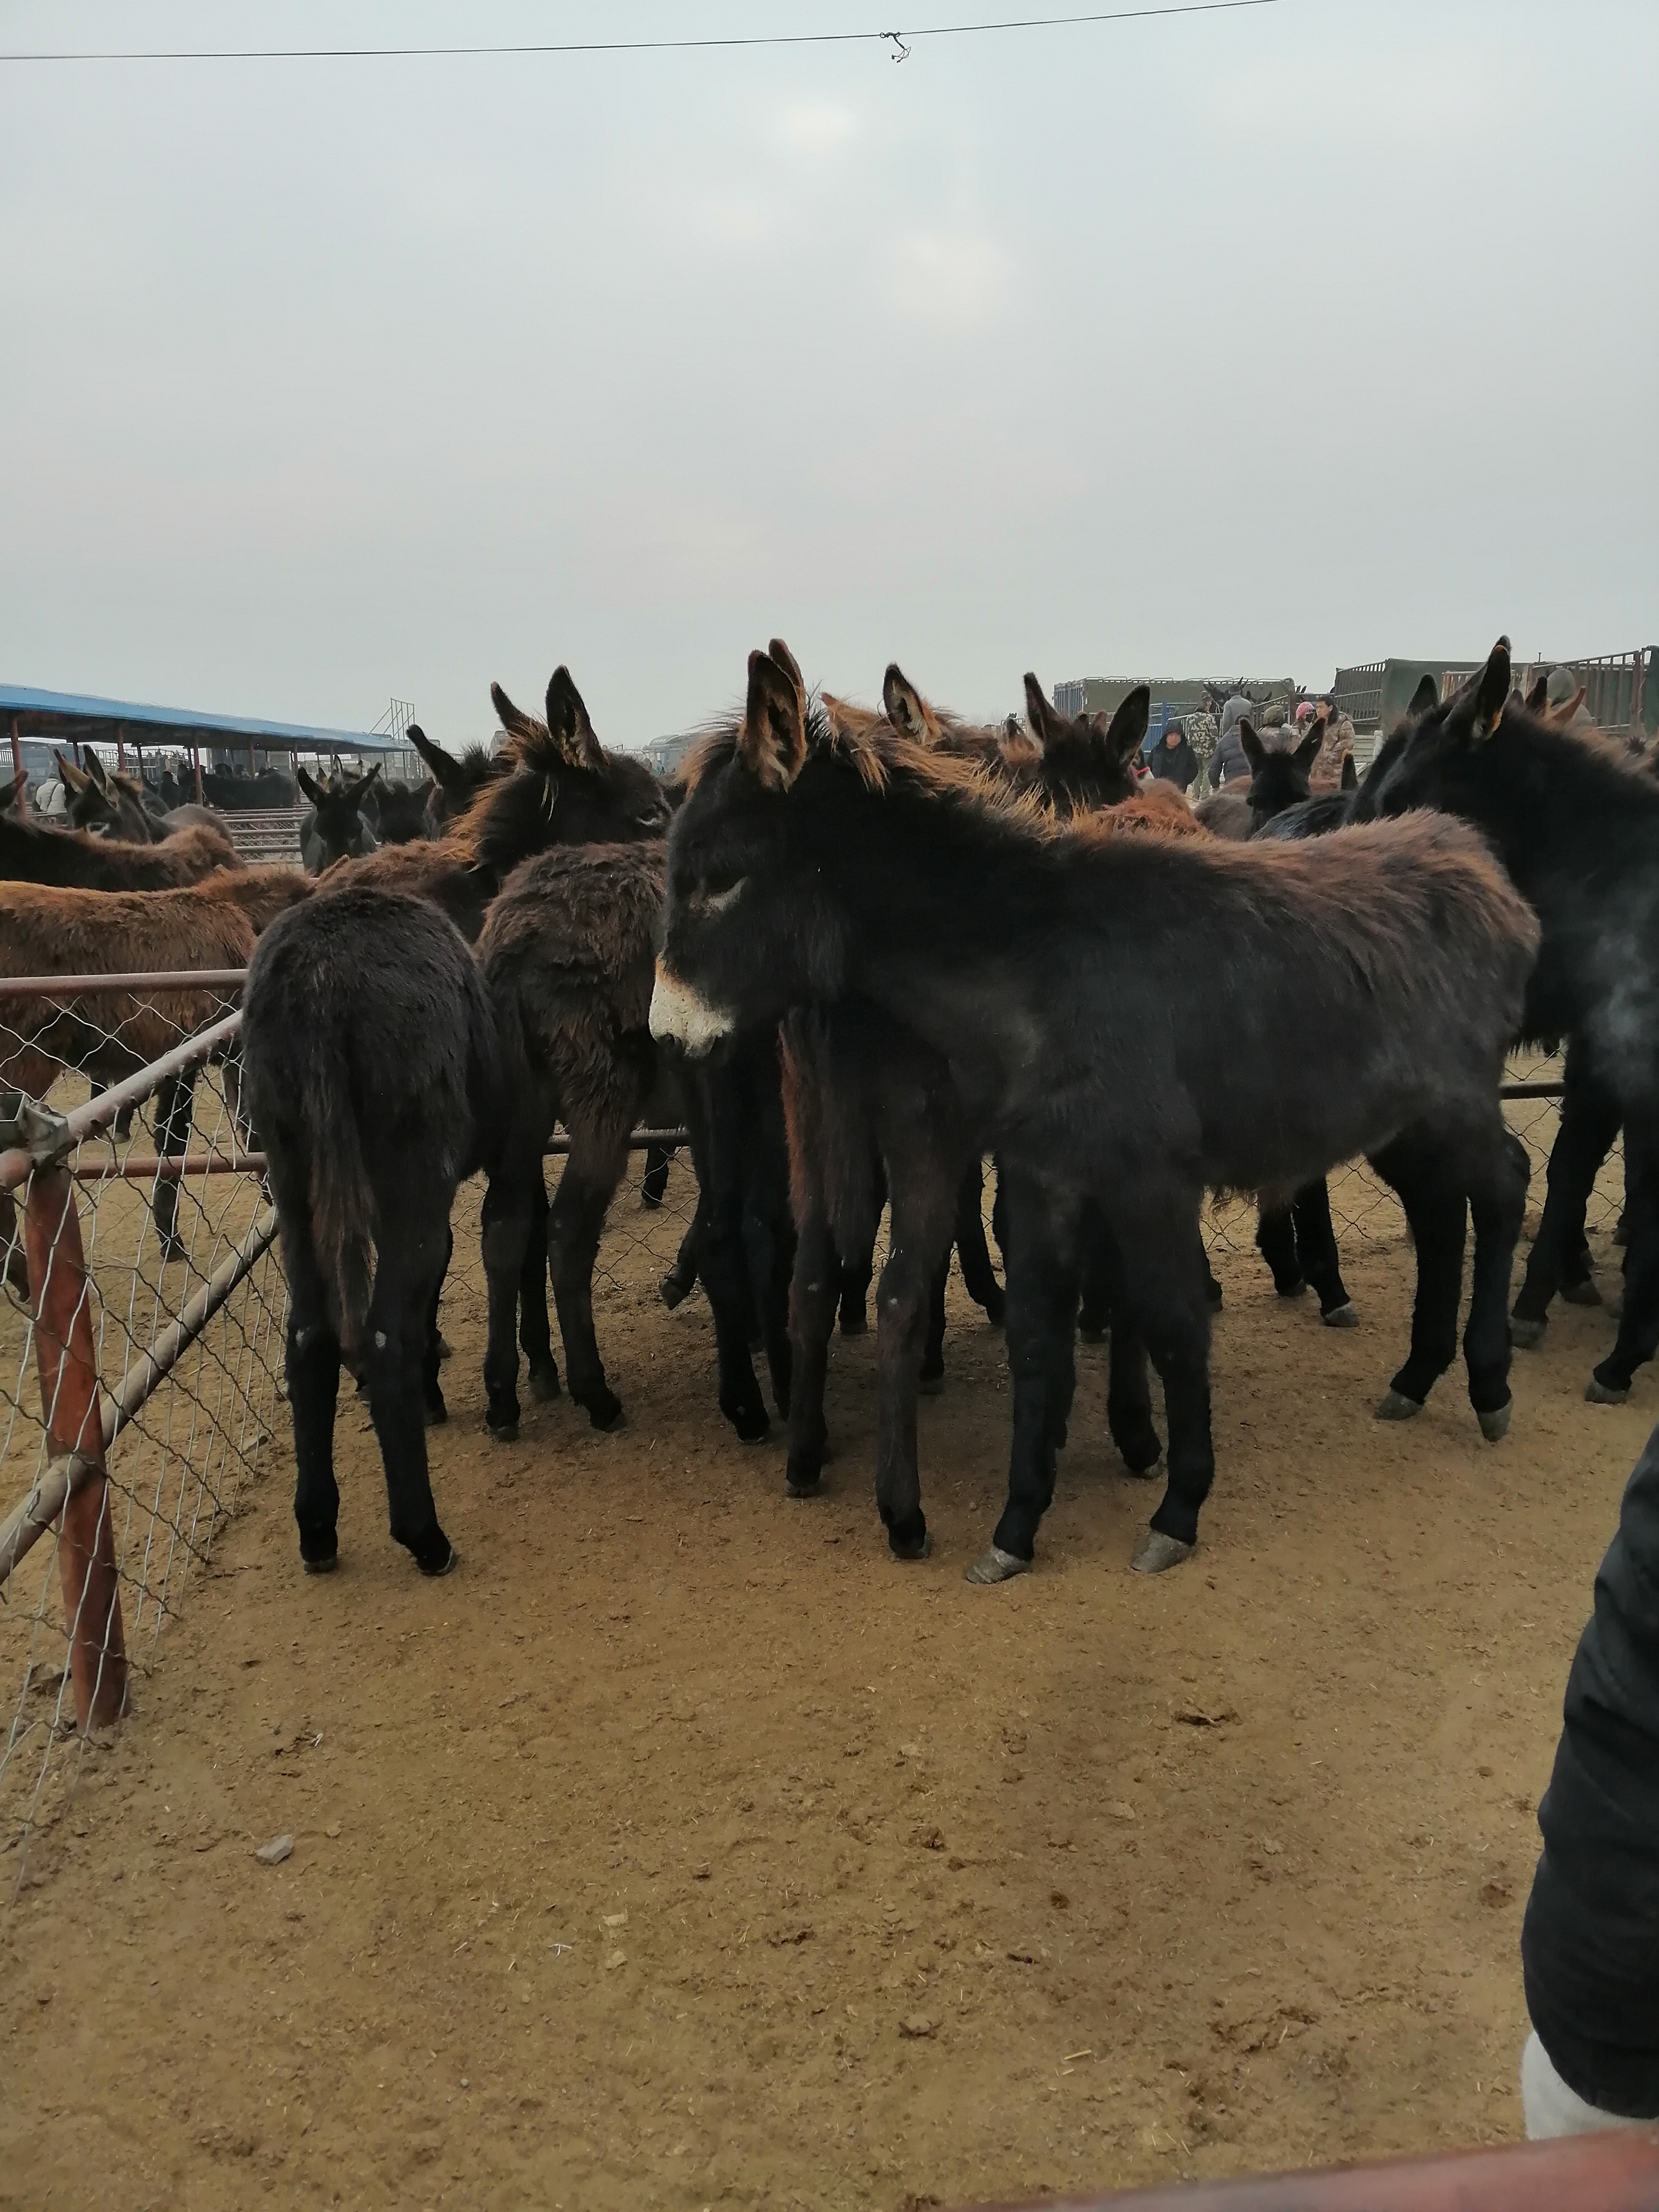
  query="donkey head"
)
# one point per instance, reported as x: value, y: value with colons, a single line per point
x: 1279, y: 773
x: 566, y: 789
x: 337, y: 830
x: 1087, y: 761
x: 747, y: 933
x: 401, y: 811
x: 456, y: 783
x: 1441, y: 755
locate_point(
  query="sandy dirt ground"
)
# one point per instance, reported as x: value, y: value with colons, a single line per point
x: 682, y: 1850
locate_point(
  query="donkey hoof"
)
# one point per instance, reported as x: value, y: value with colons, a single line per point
x: 674, y: 1290
x: 1213, y: 1293
x: 752, y: 1423
x: 802, y: 1482
x: 1525, y: 1332
x: 910, y: 1549
x: 544, y: 1384
x: 996, y: 1309
x: 1137, y: 1465
x: 1603, y: 1394
x: 324, y: 1566
x: 436, y: 1413
x: 1296, y: 1289
x: 1397, y: 1407
x: 504, y: 1433
x: 1342, y: 1317
x: 855, y: 1322
x: 604, y: 1409
x: 446, y: 1566
x: 1158, y: 1553
x: 1581, y: 1294
x: 1495, y: 1422
x: 995, y: 1565
x: 931, y: 1386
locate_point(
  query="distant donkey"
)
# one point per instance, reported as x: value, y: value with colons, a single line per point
x: 1057, y: 965
x: 336, y: 829
x: 373, y: 1077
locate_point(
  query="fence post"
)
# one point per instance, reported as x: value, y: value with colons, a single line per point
x: 17, y: 770
x: 67, y: 1364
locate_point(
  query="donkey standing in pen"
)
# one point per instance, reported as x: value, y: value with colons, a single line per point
x: 456, y: 782
x: 1053, y: 967
x: 336, y: 829
x: 117, y: 804
x: 374, y: 1076
x: 1576, y: 824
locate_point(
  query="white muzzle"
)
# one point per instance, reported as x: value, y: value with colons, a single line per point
x: 678, y: 1013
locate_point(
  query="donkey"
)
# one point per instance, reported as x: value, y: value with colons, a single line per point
x: 457, y: 782
x: 374, y: 1076
x: 117, y: 804
x: 74, y: 859
x: 1053, y: 967
x: 335, y: 829
x: 1574, y: 821
x: 558, y: 786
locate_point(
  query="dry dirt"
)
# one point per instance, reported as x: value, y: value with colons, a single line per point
x: 682, y: 1850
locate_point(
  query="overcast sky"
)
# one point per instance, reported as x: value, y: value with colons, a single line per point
x: 1260, y: 341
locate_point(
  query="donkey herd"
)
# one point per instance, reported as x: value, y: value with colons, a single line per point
x: 856, y: 954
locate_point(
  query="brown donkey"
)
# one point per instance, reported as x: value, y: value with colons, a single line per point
x: 1054, y: 968
x: 76, y: 860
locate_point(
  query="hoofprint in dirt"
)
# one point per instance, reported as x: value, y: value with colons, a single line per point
x: 683, y: 1849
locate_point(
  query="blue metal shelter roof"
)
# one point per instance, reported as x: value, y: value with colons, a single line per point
x: 64, y: 714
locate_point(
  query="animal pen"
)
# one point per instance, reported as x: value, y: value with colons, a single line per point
x: 140, y: 1365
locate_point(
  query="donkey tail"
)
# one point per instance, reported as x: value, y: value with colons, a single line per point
x: 342, y: 1203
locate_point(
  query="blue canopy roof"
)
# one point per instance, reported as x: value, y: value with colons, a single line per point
x: 62, y: 714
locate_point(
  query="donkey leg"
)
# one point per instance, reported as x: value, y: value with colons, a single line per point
x: 973, y: 1253
x: 855, y: 1277
x: 1639, y: 1317
x: 1589, y: 1123
x: 677, y: 1284
x: 535, y: 1336
x: 1043, y: 1269
x: 314, y: 1384
x: 1317, y: 1256
x: 722, y: 1133
x: 409, y: 1266
x: 922, y: 1184
x: 432, y: 1357
x: 812, y: 1320
x: 1430, y: 1190
x: 575, y: 1221
x: 654, y: 1183
x: 1166, y: 1278
x: 509, y: 1210
x: 1275, y: 1239
x: 1497, y: 1176
x: 930, y: 1381
x: 1128, y: 1394
x: 1102, y: 1277
x: 174, y: 1101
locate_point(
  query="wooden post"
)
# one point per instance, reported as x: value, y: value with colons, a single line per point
x: 17, y: 769
x: 120, y: 749
x: 67, y: 1362
x: 196, y: 762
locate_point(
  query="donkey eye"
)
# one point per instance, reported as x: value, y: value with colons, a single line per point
x: 714, y: 894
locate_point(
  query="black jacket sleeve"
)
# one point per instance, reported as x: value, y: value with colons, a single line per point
x: 1589, y: 1945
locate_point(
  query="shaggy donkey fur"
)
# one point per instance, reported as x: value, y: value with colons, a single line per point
x: 337, y: 828
x: 100, y: 799
x: 76, y: 860
x: 373, y: 1078
x: 1053, y: 969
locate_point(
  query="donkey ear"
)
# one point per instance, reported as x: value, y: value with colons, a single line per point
x: 1423, y: 700
x: 1559, y: 717
x: 1253, y: 750
x: 567, y: 721
x: 906, y: 709
x: 1478, y: 706
x: 772, y: 742
x: 95, y: 770
x: 1126, y: 731
x: 1349, y: 774
x: 1040, y: 716
x: 1308, y: 752
x: 515, y: 723
x: 1539, y: 697
x: 301, y: 776
x: 778, y: 651
x: 68, y: 775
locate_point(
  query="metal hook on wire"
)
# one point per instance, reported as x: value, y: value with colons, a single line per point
x: 900, y: 51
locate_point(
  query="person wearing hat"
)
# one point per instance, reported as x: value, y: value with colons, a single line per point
x: 1590, y: 1943
x: 1173, y: 760
x: 1227, y: 763
x: 1563, y: 684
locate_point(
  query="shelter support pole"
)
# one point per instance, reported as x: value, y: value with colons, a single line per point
x: 67, y: 1363
x: 196, y: 764
x: 17, y: 768
x: 120, y: 749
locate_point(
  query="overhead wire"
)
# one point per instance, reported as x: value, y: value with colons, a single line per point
x: 900, y: 40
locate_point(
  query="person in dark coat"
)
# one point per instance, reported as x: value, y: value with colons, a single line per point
x: 1228, y: 763
x: 1173, y: 759
x: 1589, y: 1944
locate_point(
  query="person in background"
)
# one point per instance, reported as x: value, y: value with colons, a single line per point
x: 1589, y: 1944
x: 1173, y: 758
x: 1335, y: 745
x: 1227, y: 763
x: 1562, y: 686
